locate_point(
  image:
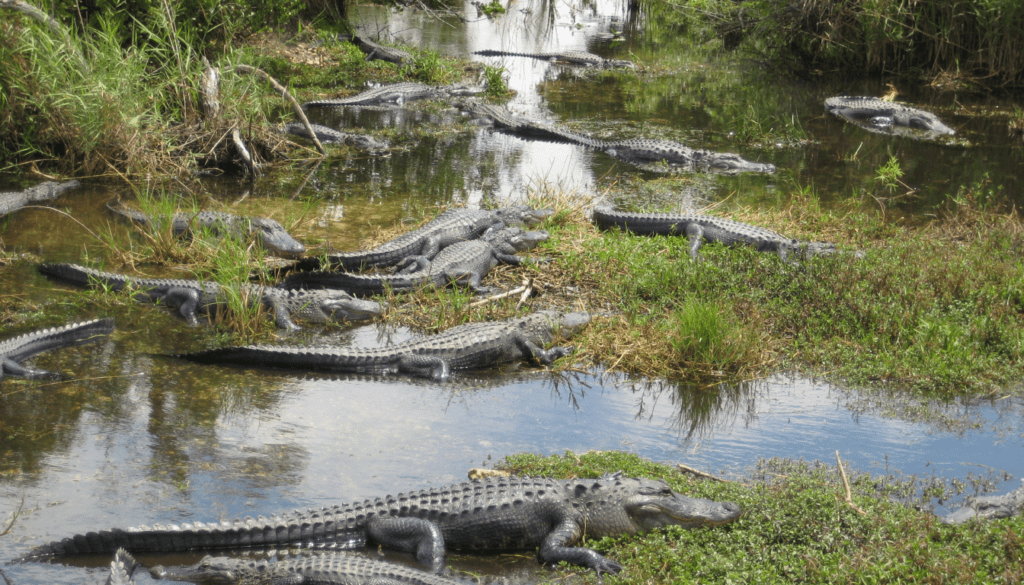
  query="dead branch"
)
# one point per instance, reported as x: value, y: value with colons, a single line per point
x: 284, y: 93
x: 846, y: 484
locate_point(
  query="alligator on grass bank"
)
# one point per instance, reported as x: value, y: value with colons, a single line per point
x: 495, y: 513
x: 329, y: 135
x: 398, y: 93
x: 374, y: 51
x: 700, y: 227
x: 461, y: 264
x: 336, y: 568
x: 650, y: 154
x: 989, y: 508
x: 268, y: 233
x: 884, y: 117
x: 193, y: 296
x: 465, y: 347
x: 122, y: 569
x: 15, y: 200
x: 572, y: 57
x: 16, y: 349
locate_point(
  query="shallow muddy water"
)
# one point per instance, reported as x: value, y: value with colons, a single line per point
x: 135, y: 436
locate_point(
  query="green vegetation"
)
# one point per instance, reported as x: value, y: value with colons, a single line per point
x: 797, y: 527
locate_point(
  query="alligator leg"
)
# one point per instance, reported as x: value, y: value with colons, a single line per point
x: 553, y: 549
x: 282, y: 317
x: 15, y: 369
x: 696, y: 235
x: 425, y: 365
x: 187, y: 301
x: 544, y: 356
x: 469, y: 279
x: 410, y: 535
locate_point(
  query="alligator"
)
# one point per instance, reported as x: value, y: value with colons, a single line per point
x: 651, y: 154
x: 462, y: 264
x: 701, y: 227
x: 452, y: 226
x: 885, y: 117
x: 16, y: 349
x: 989, y: 508
x: 122, y: 568
x: 190, y: 296
x: 326, y: 134
x: 15, y: 200
x: 373, y: 51
x: 322, y: 569
x: 572, y: 57
x: 469, y: 346
x: 398, y: 93
x: 268, y: 233
x: 494, y: 513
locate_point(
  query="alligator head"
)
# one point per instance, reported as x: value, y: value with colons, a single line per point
x: 522, y: 215
x: 341, y: 305
x: 564, y: 325
x: 731, y: 163
x: 273, y: 237
x: 921, y: 120
x: 210, y: 570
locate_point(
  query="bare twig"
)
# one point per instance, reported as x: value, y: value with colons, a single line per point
x: 284, y: 93
x: 698, y: 473
x: 846, y: 484
x: 14, y: 517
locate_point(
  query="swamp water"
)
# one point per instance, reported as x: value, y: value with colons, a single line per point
x: 135, y: 436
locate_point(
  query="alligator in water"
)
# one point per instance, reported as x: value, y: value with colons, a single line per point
x: 16, y: 349
x: 571, y: 57
x: 650, y: 154
x: 335, y: 568
x: 462, y: 264
x: 122, y: 568
x: 268, y: 233
x: 192, y: 296
x: 495, y: 513
x: 884, y: 117
x: 398, y: 93
x: 989, y: 507
x: 329, y: 135
x: 15, y: 200
x: 700, y: 227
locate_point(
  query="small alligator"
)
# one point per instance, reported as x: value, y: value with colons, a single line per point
x: 373, y: 51
x: 885, y: 117
x: 15, y: 200
x: 646, y: 153
x: 122, y: 568
x: 469, y: 346
x: 16, y: 349
x: 326, y: 134
x: 321, y: 569
x: 398, y: 93
x: 700, y: 227
x: 462, y: 264
x: 989, y: 507
x: 192, y: 296
x: 572, y: 57
x: 494, y: 513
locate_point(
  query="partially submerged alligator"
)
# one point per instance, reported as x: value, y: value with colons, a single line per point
x: 193, y: 296
x: 572, y: 57
x: 334, y: 568
x: 326, y: 134
x: 462, y: 264
x: 989, y: 507
x: 885, y: 117
x: 268, y: 233
x: 700, y: 227
x: 465, y: 347
x: 15, y: 200
x: 647, y: 153
x: 16, y: 349
x: 398, y: 93
x: 495, y: 513
x: 122, y: 568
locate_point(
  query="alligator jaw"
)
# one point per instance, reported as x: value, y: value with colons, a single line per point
x: 273, y: 237
x: 204, y: 572
x: 666, y: 508
x: 352, y: 309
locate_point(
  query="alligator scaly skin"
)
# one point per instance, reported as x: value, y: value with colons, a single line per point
x: 122, y: 568
x: 495, y: 513
x: 988, y: 508
x: 15, y: 200
x: 397, y: 93
x: 193, y: 296
x: 327, y: 135
x: 374, y: 51
x: 700, y: 227
x: 16, y: 349
x: 881, y: 116
x: 573, y: 57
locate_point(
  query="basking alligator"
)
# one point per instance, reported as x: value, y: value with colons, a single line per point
x: 885, y: 117
x: 322, y: 569
x: 398, y: 93
x: 268, y: 233
x: 327, y: 134
x: 571, y: 57
x: 989, y: 508
x: 465, y: 347
x: 13, y: 350
x: 379, y: 52
x: 122, y: 568
x: 14, y: 200
x: 706, y: 227
x: 190, y: 296
x: 647, y: 153
x: 462, y: 264
x: 495, y: 513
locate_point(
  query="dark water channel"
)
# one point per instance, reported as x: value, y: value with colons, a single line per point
x: 137, y: 437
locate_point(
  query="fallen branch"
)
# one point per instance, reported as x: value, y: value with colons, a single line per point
x: 284, y: 93
x: 26, y: 8
x: 688, y: 469
x: 846, y: 483
x: 525, y: 289
x: 236, y: 137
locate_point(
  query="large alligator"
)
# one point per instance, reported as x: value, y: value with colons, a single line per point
x: 454, y: 225
x: 465, y: 347
x: 326, y: 134
x: 648, y: 153
x: 462, y: 264
x: 989, y: 508
x: 16, y: 349
x: 494, y: 513
x: 192, y: 296
x: 15, y: 200
x: 334, y: 568
x: 268, y: 233
x: 374, y: 51
x: 878, y: 115
x: 398, y: 93
x: 122, y: 569
x: 699, y: 227
x: 572, y: 57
